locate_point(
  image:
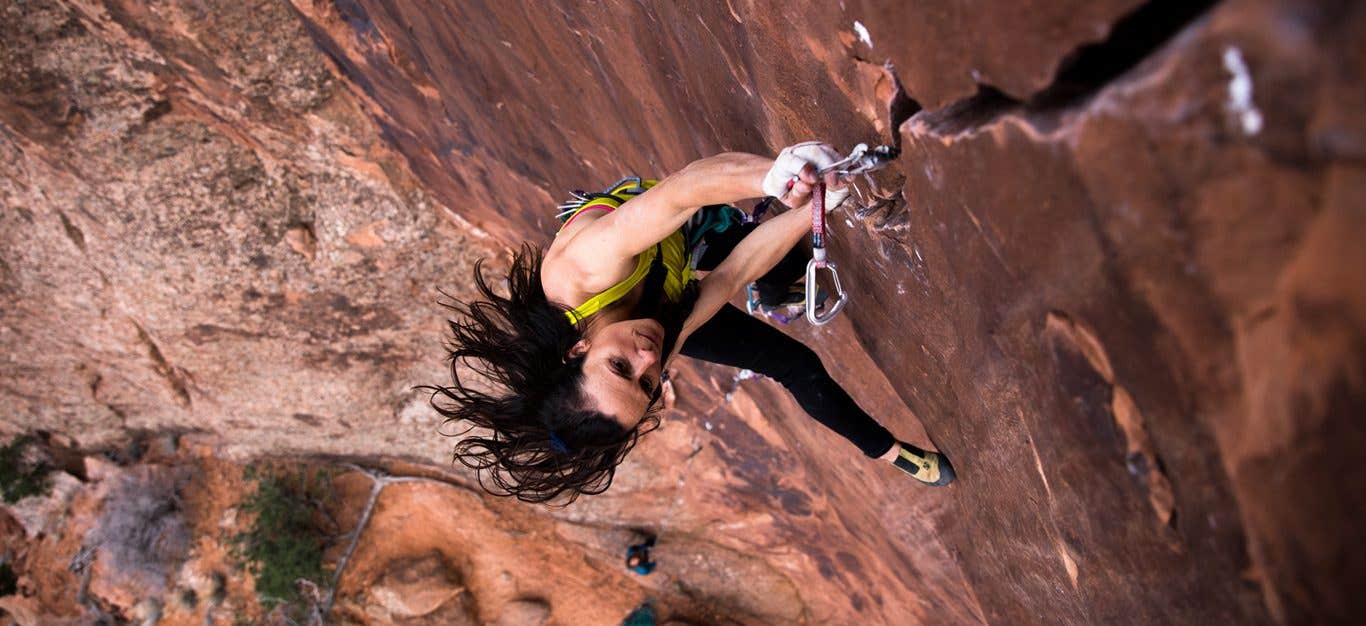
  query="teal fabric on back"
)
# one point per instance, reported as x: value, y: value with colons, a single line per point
x: 712, y: 218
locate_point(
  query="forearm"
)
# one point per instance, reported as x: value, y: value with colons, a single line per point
x: 730, y: 177
x: 763, y: 248
x: 721, y: 179
x: 757, y: 253
x: 648, y: 218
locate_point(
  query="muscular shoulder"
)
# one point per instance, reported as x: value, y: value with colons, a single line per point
x: 568, y: 283
x: 575, y: 271
x: 560, y: 281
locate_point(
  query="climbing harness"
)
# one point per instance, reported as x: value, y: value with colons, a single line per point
x: 755, y: 307
x: 819, y: 262
x: 752, y: 304
x: 783, y: 312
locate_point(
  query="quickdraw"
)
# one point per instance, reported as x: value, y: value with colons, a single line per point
x: 820, y: 262
x: 861, y: 160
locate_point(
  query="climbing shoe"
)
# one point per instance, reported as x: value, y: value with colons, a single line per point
x: 931, y: 468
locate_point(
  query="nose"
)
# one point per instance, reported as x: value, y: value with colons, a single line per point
x: 646, y: 357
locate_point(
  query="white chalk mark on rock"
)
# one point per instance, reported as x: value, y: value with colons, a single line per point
x: 744, y: 374
x: 1240, y: 103
x: 862, y: 32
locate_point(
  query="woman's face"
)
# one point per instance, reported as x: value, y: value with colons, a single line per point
x: 621, y: 368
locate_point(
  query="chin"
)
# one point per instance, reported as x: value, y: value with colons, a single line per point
x: 670, y: 316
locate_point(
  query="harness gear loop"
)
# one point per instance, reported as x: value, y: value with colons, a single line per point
x: 819, y: 262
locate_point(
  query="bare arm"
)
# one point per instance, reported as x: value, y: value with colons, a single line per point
x: 608, y: 244
x: 753, y: 257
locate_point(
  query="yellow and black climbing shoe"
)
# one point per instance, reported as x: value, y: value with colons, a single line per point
x: 931, y: 468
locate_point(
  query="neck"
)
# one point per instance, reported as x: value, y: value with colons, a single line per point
x: 610, y: 315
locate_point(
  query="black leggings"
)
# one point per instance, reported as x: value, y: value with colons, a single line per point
x: 733, y: 338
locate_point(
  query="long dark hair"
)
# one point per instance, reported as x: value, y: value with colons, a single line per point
x: 535, y: 437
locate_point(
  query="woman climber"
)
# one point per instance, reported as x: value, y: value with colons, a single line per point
x: 574, y: 354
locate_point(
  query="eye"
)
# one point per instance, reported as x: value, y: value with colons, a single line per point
x: 622, y: 368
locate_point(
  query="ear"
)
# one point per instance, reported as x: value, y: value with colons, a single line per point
x: 579, y: 349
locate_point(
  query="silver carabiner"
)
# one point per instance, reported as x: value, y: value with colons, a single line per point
x: 861, y: 160
x: 812, y: 266
x: 846, y: 165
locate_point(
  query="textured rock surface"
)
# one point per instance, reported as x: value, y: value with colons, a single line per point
x: 1115, y: 274
x: 528, y: 612
x: 209, y: 236
x: 415, y: 587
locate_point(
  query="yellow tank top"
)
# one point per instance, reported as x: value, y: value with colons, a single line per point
x: 677, y: 259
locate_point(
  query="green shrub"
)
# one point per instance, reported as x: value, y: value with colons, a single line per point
x: 288, y: 535
x: 22, y: 477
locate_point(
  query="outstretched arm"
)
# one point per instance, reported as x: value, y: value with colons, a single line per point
x: 605, y: 245
x: 755, y: 255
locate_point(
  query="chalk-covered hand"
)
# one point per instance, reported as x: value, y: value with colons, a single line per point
x: 793, y: 175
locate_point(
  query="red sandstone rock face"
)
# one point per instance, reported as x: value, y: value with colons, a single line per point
x: 202, y: 230
x: 1063, y: 284
x: 1121, y: 290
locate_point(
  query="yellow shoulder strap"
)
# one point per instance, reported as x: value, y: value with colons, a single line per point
x: 615, y: 292
x: 643, y: 260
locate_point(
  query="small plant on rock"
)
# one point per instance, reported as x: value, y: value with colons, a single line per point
x: 142, y: 534
x: 288, y: 534
x: 23, y: 473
